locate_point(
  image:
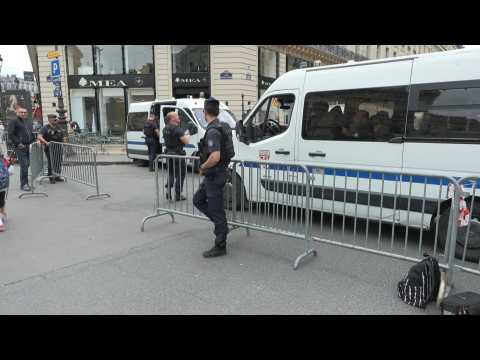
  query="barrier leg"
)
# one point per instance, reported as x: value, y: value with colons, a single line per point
x: 157, y: 214
x: 309, y: 250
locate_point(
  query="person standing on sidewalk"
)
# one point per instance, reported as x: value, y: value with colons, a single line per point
x: 51, y: 132
x: 216, y: 151
x: 175, y: 139
x: 20, y: 133
x: 152, y: 139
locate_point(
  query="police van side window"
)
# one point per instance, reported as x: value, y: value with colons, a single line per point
x: 444, y: 114
x: 136, y: 121
x: 272, y: 117
x: 376, y: 114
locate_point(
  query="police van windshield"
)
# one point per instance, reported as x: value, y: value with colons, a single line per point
x: 224, y: 116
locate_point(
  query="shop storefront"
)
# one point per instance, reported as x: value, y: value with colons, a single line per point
x: 190, y: 71
x: 104, y: 79
x: 268, y: 68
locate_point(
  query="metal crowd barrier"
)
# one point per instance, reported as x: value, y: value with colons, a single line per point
x: 36, y: 170
x: 77, y: 163
x: 385, y: 213
x: 289, y: 220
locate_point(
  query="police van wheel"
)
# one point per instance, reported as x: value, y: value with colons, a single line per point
x: 238, y: 193
x: 473, y: 245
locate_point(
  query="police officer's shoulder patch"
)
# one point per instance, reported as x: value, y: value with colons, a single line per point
x: 210, y: 142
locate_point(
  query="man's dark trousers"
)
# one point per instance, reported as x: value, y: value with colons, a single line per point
x: 209, y: 200
x: 23, y: 156
x: 176, y: 174
x: 152, y: 151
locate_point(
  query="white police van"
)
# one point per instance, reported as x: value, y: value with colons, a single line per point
x: 191, y: 115
x: 417, y: 114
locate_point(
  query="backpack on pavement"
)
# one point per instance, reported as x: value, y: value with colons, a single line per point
x: 421, y: 283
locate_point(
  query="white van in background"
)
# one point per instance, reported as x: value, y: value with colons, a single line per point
x: 191, y: 115
x: 418, y: 114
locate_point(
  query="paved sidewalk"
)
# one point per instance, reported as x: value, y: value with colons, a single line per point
x: 66, y: 255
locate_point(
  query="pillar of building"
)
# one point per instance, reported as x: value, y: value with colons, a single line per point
x: 163, y: 71
x: 242, y: 62
x: 49, y: 102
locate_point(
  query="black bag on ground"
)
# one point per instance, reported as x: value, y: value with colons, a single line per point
x: 466, y: 303
x: 421, y: 284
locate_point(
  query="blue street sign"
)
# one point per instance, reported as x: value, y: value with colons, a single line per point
x: 57, y: 92
x: 56, y: 83
x: 55, y: 68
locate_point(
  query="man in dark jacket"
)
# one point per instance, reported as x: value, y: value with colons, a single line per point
x: 20, y: 134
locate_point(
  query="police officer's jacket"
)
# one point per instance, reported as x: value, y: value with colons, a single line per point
x: 172, y: 135
x: 52, y: 133
x: 149, y: 131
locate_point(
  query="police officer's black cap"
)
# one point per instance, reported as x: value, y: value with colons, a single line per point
x: 211, y: 100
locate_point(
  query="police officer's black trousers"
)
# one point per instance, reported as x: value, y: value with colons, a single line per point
x: 152, y: 145
x: 56, y: 164
x: 176, y: 174
x: 209, y: 200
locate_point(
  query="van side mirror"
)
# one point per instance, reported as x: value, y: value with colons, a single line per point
x: 241, y: 132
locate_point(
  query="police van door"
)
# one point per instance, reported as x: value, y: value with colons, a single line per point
x: 354, y: 118
x: 187, y: 123
x: 270, y: 132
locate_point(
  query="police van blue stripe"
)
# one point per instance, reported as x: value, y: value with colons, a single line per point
x: 429, y: 180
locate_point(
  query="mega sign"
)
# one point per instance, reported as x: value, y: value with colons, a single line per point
x: 110, y: 81
x: 101, y: 83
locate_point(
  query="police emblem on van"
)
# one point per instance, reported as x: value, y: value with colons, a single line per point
x: 264, y: 155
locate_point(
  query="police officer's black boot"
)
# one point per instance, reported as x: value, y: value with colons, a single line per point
x: 52, y: 180
x: 215, y: 251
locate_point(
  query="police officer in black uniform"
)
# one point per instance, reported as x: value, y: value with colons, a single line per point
x: 175, y: 139
x: 51, y: 132
x: 152, y: 139
x: 216, y: 151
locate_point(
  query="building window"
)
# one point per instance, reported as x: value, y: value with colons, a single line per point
x: 394, y: 53
x: 80, y: 59
x: 376, y: 114
x: 84, y: 109
x: 297, y: 63
x: 378, y: 51
x: 409, y: 49
x: 415, y: 52
x: 138, y: 59
x: 139, y: 95
x: 191, y: 58
x: 268, y: 62
x: 112, y: 111
x: 108, y: 59
x: 387, y: 52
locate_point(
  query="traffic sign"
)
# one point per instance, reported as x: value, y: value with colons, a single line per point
x: 56, y: 83
x: 55, y: 68
x: 57, y: 92
x: 53, y: 54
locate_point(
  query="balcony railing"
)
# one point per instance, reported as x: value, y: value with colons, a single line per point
x: 339, y: 51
